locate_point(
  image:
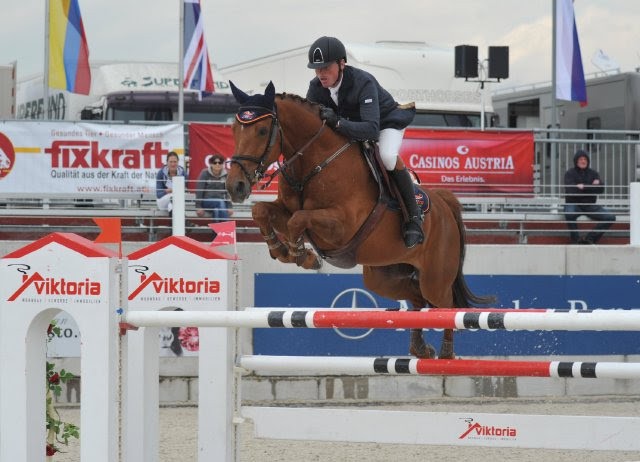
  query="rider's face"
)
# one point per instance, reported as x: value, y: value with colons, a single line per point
x: 329, y: 75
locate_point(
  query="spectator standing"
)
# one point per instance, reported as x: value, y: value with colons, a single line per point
x: 164, y: 181
x: 582, y: 185
x: 212, y: 198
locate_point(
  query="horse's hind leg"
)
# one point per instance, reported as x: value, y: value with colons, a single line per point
x: 417, y: 345
x: 399, y: 282
x: 446, y: 349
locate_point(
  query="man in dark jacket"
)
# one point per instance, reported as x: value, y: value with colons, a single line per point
x: 359, y: 108
x: 582, y: 185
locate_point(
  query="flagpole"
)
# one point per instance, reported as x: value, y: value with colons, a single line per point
x: 181, y: 65
x: 554, y: 111
x: 45, y: 77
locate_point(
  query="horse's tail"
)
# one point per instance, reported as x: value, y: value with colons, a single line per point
x: 462, y: 295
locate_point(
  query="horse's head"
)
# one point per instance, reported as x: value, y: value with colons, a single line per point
x: 255, y: 131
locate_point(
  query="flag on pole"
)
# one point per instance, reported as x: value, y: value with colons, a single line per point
x: 570, y: 83
x: 110, y: 231
x: 225, y: 233
x: 68, y: 51
x: 197, y: 67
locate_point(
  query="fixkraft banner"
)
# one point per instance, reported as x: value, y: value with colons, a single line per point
x: 471, y: 162
x: 83, y: 158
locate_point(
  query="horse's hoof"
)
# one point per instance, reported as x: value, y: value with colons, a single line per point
x: 446, y: 352
x: 317, y: 264
x: 423, y: 351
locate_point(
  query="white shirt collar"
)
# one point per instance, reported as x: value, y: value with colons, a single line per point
x: 333, y: 91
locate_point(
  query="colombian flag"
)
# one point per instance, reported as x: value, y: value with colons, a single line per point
x: 68, y: 52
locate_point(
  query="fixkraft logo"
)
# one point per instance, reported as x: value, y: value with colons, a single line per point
x: 82, y: 154
x: 476, y: 430
x: 174, y: 286
x: 54, y: 286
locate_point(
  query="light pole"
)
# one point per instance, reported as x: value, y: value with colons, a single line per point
x: 468, y: 66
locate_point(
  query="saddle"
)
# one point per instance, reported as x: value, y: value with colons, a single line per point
x: 388, y: 189
x: 388, y: 198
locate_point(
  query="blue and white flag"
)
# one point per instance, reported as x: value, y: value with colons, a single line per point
x: 570, y: 84
x: 197, y: 68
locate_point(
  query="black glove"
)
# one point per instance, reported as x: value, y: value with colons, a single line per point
x: 329, y: 115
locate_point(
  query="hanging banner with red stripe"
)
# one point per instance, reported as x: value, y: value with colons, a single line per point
x: 471, y: 162
x: 464, y: 161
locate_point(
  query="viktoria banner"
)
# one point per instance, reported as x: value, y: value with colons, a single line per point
x: 471, y: 161
x: 88, y: 159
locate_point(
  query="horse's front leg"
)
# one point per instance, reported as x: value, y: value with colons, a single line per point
x: 271, y: 218
x: 326, y: 224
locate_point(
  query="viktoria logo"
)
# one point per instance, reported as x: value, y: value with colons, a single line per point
x: 53, y: 286
x: 476, y: 429
x: 171, y: 285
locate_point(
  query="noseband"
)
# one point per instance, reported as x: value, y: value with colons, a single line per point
x: 248, y: 115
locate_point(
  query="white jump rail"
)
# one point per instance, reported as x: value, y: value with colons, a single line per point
x: 346, y: 365
x: 523, y: 319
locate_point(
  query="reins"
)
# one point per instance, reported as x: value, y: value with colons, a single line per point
x: 284, y: 167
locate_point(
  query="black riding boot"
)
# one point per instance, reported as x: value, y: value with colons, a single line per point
x: 412, y: 229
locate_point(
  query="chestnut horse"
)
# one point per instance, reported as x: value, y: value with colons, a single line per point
x: 326, y: 192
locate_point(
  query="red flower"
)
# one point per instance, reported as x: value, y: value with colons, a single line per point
x: 50, y: 329
x: 51, y: 450
x: 55, y: 379
x: 189, y: 338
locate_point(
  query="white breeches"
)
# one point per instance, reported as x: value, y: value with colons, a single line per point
x: 164, y: 203
x: 389, y: 146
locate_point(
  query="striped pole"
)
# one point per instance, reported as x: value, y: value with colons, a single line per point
x: 434, y: 318
x: 335, y: 365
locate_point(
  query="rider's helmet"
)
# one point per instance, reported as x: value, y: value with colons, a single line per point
x: 324, y: 51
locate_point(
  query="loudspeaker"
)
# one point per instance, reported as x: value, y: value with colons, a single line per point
x: 498, y: 62
x: 466, y: 61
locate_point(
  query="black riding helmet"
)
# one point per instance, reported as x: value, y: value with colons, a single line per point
x: 324, y: 51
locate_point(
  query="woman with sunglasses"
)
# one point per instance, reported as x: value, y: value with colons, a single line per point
x: 212, y: 198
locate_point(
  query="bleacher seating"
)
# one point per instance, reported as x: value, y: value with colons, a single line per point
x: 489, y: 219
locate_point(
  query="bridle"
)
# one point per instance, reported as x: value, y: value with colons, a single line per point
x: 261, y: 167
x: 276, y: 128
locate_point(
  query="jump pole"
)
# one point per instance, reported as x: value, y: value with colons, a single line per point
x: 335, y: 365
x: 564, y: 320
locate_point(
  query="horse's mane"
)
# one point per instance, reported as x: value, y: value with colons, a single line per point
x: 307, y: 104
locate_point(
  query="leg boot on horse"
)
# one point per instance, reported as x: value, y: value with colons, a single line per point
x: 412, y: 229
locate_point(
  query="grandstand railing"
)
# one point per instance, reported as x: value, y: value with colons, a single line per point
x: 615, y: 154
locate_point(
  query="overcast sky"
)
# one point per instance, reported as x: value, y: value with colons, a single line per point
x: 239, y: 30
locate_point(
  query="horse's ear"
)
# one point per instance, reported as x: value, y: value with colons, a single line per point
x: 240, y: 96
x: 270, y: 93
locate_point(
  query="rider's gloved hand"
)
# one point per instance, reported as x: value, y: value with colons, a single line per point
x: 329, y: 115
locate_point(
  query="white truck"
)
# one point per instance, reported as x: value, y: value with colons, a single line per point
x: 7, y: 91
x: 131, y: 91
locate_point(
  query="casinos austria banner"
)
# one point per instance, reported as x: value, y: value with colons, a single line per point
x: 464, y: 161
x: 474, y: 162
x: 85, y: 159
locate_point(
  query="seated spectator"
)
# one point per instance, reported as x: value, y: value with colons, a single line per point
x: 164, y: 181
x: 212, y: 198
x: 582, y: 185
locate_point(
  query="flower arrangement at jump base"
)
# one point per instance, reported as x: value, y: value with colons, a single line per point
x: 58, y: 432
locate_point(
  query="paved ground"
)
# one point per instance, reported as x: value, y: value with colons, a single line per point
x: 179, y: 439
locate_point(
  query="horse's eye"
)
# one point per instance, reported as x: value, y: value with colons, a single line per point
x: 263, y: 131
